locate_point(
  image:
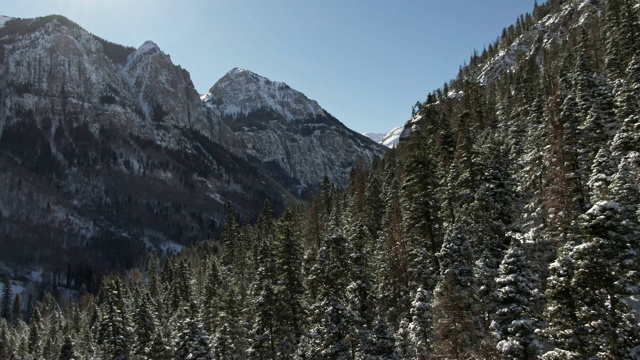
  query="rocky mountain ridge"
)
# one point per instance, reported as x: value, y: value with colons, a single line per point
x: 108, y: 151
x: 285, y: 134
x: 241, y: 92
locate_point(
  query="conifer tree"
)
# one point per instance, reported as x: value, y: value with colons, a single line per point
x: 421, y: 326
x: 144, y: 326
x: 360, y: 291
x: 35, y: 332
x: 114, y: 335
x: 514, y: 322
x: 327, y: 335
x: 601, y: 282
x: 373, y: 206
x: 7, y: 297
x: 67, y: 351
x: 562, y: 327
x: 382, y: 342
x: 230, y: 339
x: 192, y: 341
x: 532, y: 179
x: 230, y: 236
x: 621, y: 28
x: 212, y: 294
x: 16, y: 309
x: 289, y: 288
x: 391, y: 256
x: 455, y: 315
x: 421, y: 206
x: 4, y: 339
x: 263, y: 333
x: 628, y: 91
x: 181, y: 292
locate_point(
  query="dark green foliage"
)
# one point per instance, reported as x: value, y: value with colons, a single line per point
x: 455, y: 302
x: 505, y: 224
x: 517, y: 298
x: 114, y: 335
x: 289, y: 288
x: 67, y: 352
x: 192, y: 341
x: 7, y: 296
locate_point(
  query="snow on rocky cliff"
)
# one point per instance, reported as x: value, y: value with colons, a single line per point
x: 241, y: 92
x: 284, y: 133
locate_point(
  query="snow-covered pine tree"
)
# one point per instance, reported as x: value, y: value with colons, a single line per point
x: 621, y: 29
x: 114, y: 333
x: 601, y: 283
x: 360, y: 301
x: 263, y: 342
x: 192, y: 341
x: 562, y: 328
x: 454, y: 306
x: 7, y: 297
x: 144, y: 326
x: 421, y: 325
x: 289, y: 288
x: 230, y: 236
x: 515, y: 322
x: 329, y: 316
x: 212, y: 292
x: 4, y: 339
x: 421, y: 204
x: 382, y: 342
x: 67, y: 351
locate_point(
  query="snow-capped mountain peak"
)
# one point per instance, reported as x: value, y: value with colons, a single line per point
x: 148, y: 46
x: 390, y: 139
x: 240, y: 92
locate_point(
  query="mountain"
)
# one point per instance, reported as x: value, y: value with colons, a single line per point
x: 377, y: 137
x: 531, y: 37
x: 108, y: 152
x: 390, y: 139
x: 285, y: 134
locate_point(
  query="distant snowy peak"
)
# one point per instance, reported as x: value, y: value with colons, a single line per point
x: 4, y: 19
x: 377, y: 137
x: 241, y: 92
x: 390, y: 139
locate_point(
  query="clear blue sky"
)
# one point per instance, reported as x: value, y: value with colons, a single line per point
x: 365, y: 61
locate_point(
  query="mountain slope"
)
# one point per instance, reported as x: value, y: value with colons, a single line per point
x: 532, y: 38
x: 108, y: 150
x: 285, y: 134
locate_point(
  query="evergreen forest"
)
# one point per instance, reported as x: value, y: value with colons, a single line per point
x: 505, y: 226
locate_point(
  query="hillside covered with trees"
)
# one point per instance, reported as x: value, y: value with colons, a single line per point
x: 506, y: 226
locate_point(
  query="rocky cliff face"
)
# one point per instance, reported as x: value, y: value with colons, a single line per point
x: 285, y: 134
x: 107, y: 152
